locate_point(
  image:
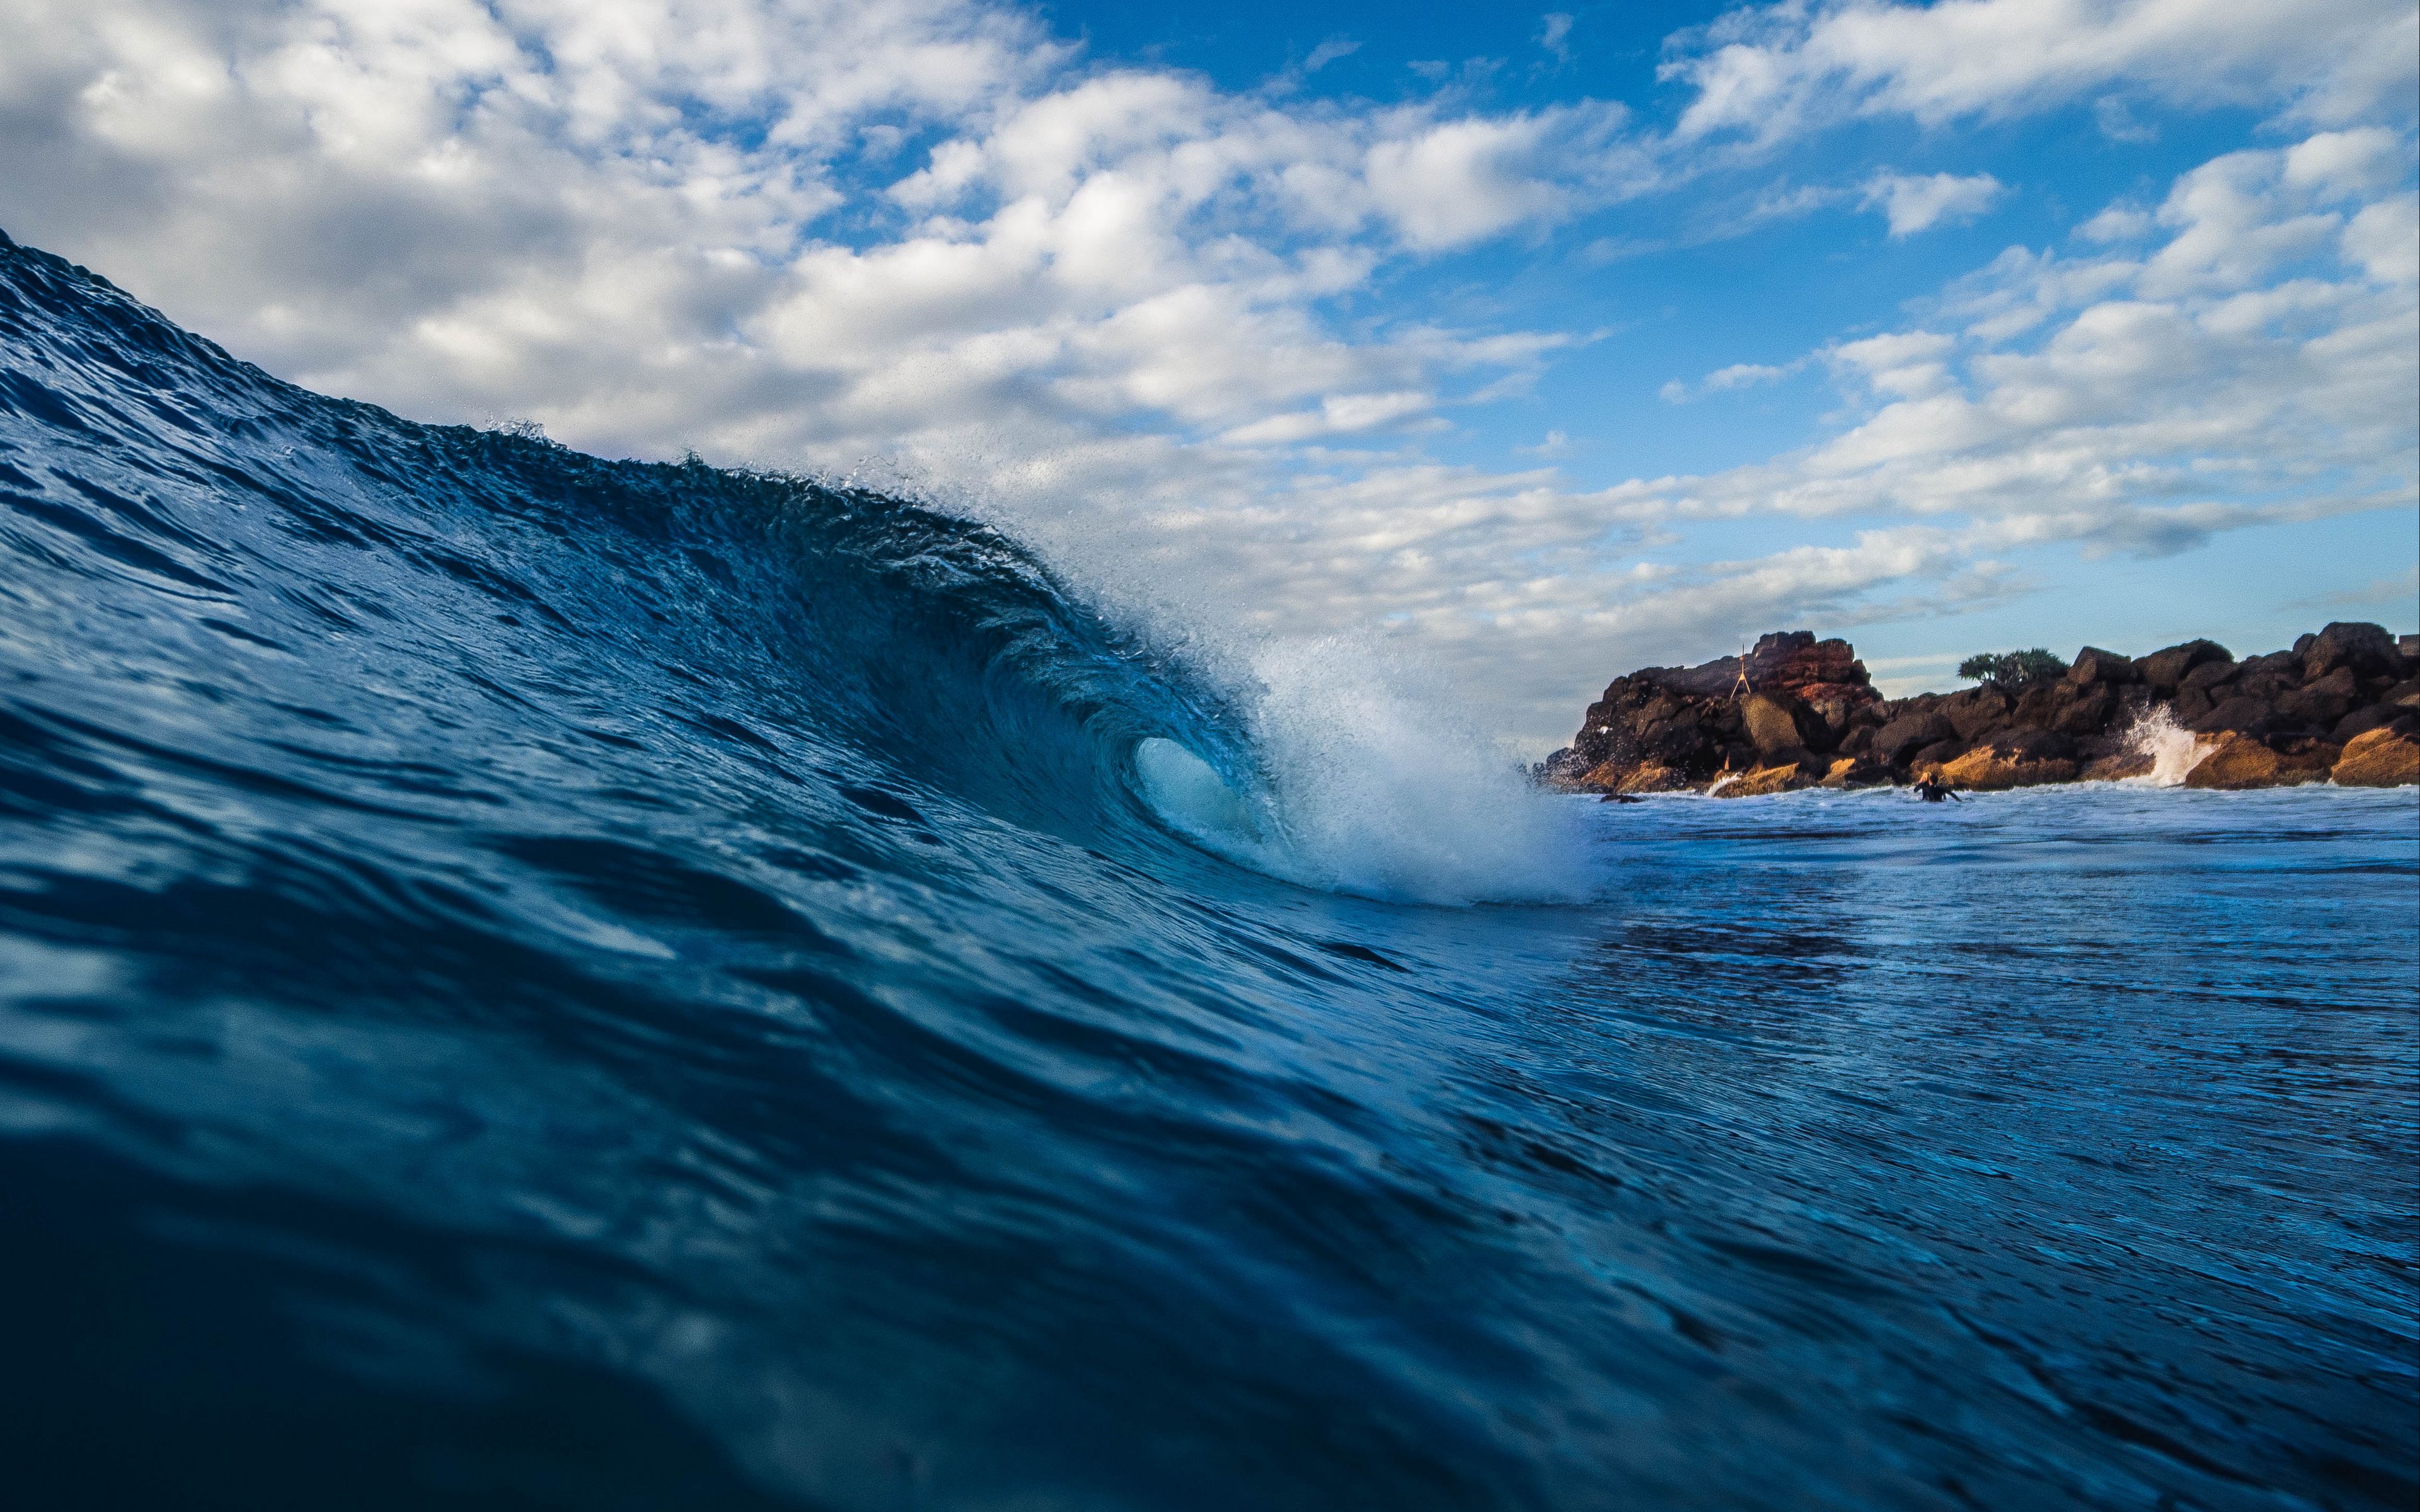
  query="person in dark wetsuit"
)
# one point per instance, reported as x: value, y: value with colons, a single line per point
x: 1933, y: 790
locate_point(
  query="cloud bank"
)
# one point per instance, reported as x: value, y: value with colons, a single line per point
x: 1143, y: 319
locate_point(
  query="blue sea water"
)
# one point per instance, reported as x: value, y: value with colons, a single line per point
x: 535, y: 981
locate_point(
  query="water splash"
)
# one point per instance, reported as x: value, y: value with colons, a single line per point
x: 2172, y: 750
x: 1361, y: 785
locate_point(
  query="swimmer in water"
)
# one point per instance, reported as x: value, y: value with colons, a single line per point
x: 1933, y: 790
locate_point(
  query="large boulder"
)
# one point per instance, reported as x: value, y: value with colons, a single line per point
x: 1977, y: 712
x: 2248, y: 714
x: 2024, y: 758
x: 2368, y: 649
x: 2086, y: 710
x: 2324, y: 700
x: 1910, y: 732
x: 2362, y: 721
x: 2094, y: 665
x: 2163, y: 670
x: 2238, y: 761
x: 2386, y: 757
x: 1776, y: 722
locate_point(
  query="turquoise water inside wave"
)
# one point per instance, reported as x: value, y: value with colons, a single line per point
x: 534, y: 982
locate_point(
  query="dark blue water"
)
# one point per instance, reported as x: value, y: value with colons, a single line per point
x: 534, y: 982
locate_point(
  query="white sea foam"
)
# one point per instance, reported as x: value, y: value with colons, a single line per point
x: 1362, y: 785
x: 2172, y: 750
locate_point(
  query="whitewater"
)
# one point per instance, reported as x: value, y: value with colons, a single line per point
x: 535, y: 980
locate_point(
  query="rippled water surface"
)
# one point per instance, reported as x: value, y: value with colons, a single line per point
x: 532, y: 981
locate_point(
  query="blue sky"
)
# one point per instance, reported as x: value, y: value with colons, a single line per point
x: 1528, y: 348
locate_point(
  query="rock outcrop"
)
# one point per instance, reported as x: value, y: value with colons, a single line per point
x: 1796, y: 712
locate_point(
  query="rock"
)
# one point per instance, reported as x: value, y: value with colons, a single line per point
x: 2386, y: 757
x: 1787, y: 778
x: 2325, y: 701
x: 1603, y: 777
x: 2208, y: 676
x: 2116, y: 766
x: 1856, y: 772
x: 2362, y: 721
x: 2410, y: 646
x: 1937, y: 753
x: 2242, y: 714
x: 1564, y: 769
x: 1651, y: 780
x: 1977, y: 712
x: 2085, y: 712
x: 1910, y: 732
x: 2165, y: 670
x: 2094, y: 665
x: 1777, y: 722
x: 2239, y: 761
x: 2365, y: 648
x: 1859, y: 741
x: 2026, y: 758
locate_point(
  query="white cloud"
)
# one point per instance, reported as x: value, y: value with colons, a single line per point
x: 1328, y: 51
x: 1555, y: 34
x: 922, y: 238
x: 1915, y: 203
x: 1770, y: 73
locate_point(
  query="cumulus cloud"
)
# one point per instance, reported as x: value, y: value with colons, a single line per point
x: 1772, y: 72
x: 1914, y: 202
x: 925, y: 240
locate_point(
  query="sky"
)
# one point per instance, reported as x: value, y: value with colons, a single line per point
x: 1522, y: 348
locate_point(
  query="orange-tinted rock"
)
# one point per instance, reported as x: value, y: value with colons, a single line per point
x: 2239, y: 761
x: 1856, y: 772
x: 1762, y: 780
x: 1651, y: 780
x: 2026, y: 760
x: 2383, y: 757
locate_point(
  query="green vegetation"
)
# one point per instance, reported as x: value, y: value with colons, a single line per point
x: 2014, y: 668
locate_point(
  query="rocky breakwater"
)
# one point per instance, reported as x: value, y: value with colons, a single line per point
x: 1796, y: 712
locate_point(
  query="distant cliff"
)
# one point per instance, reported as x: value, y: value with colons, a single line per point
x: 1796, y: 712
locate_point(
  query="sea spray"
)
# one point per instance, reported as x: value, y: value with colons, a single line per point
x: 2171, y: 749
x: 1362, y: 783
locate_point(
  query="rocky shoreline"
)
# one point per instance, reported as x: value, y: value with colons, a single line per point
x: 2342, y: 705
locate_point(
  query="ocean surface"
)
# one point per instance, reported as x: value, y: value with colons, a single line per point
x: 532, y: 981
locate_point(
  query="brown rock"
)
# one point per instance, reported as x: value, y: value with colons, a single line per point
x: 1787, y: 778
x: 1856, y: 772
x: 2025, y: 758
x: 2365, y: 648
x: 1651, y: 780
x: 2325, y: 701
x: 2241, y: 714
x: 2165, y: 670
x: 2116, y: 766
x: 1603, y: 777
x: 1938, y: 752
x: 2238, y: 761
x: 2362, y: 721
x: 1777, y: 722
x: 2094, y: 665
x: 1912, y: 733
x: 1977, y: 712
x: 2387, y: 757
